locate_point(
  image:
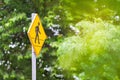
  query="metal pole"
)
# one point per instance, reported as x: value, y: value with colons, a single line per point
x: 33, y: 58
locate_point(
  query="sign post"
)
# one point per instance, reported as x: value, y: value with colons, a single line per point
x: 33, y: 58
x: 33, y: 65
x: 37, y: 37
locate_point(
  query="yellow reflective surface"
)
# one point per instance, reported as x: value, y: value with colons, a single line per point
x: 36, y: 34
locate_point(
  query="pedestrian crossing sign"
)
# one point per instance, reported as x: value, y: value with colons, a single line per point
x: 36, y: 34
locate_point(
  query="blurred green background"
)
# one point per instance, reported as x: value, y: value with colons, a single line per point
x: 83, y: 39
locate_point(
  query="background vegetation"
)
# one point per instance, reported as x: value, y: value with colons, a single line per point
x: 83, y: 39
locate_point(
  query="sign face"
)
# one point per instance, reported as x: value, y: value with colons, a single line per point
x: 36, y: 34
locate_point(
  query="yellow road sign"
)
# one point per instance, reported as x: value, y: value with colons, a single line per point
x: 36, y: 34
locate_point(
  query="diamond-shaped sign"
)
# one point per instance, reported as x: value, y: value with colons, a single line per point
x: 36, y: 34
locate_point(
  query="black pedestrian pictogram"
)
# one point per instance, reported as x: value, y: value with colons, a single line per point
x: 37, y: 31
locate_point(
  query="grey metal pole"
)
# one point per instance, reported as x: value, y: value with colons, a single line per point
x: 33, y: 58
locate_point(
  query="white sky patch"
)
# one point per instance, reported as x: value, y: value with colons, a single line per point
x: 11, y: 45
x: 0, y: 63
x: 1, y: 27
x: 0, y: 18
x: 95, y: 0
x: 76, y: 78
x: 15, y: 9
x: 55, y: 28
x: 59, y: 75
x: 117, y: 18
x: 24, y: 29
x: 96, y: 9
x: 8, y: 52
x: 57, y: 17
x: 74, y: 29
x: 48, y: 69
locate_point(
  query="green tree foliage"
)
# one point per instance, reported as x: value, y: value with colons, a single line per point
x: 91, y: 51
x: 83, y: 39
x: 13, y: 41
x: 15, y: 48
x: 105, y: 9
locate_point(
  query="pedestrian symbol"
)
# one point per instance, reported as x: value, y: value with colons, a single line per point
x: 36, y: 34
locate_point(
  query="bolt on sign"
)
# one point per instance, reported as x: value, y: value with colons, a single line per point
x: 36, y: 34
